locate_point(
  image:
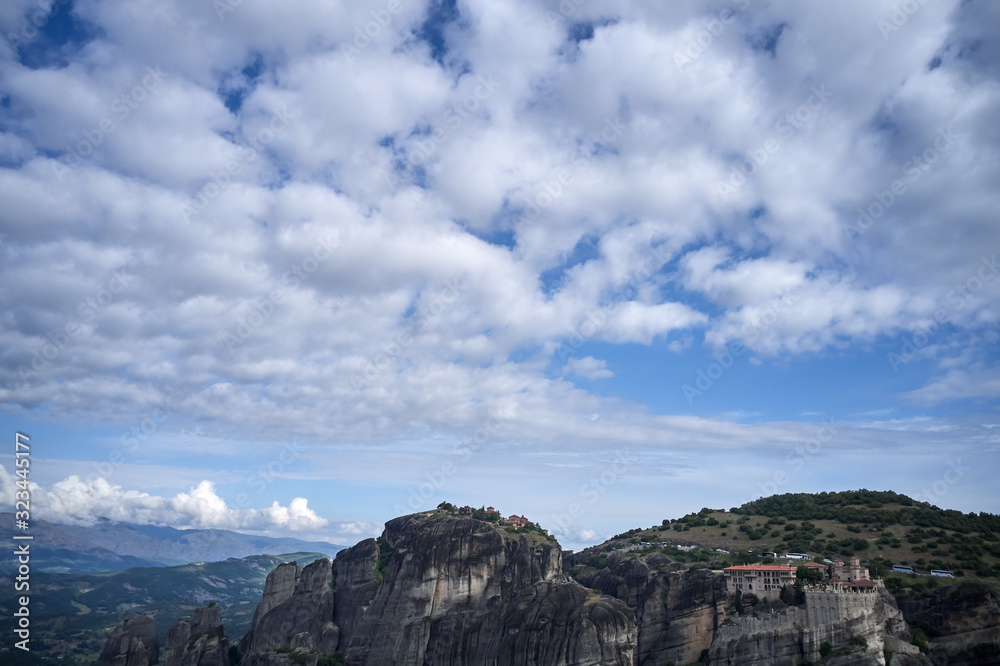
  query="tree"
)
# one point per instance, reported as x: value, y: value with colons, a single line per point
x: 805, y: 573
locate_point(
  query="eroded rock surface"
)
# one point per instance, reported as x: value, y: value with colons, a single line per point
x: 132, y: 643
x: 199, y: 640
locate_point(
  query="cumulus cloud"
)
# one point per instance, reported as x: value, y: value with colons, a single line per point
x: 286, y: 229
x: 588, y: 367
x: 414, y: 162
x: 77, y: 501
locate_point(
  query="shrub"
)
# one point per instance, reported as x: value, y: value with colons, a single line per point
x: 825, y: 649
x: 335, y: 659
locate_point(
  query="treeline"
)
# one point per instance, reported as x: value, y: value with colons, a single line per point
x: 868, y: 507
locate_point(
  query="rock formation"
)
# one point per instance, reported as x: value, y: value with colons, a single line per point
x: 683, y: 618
x: 677, y: 612
x: 438, y: 590
x: 962, y: 622
x: 132, y: 643
x: 198, y: 641
x: 446, y: 591
x: 295, y: 613
x: 442, y: 589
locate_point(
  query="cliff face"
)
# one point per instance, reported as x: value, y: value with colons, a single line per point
x: 858, y: 628
x: 682, y: 617
x: 198, y: 641
x: 677, y: 612
x: 132, y: 643
x: 296, y: 611
x: 443, y: 591
x: 962, y: 622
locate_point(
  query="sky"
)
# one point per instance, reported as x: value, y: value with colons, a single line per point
x: 296, y: 269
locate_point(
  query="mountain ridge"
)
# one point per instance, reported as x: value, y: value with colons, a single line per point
x: 112, y: 546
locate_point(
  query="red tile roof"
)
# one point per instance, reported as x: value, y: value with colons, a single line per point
x: 760, y: 567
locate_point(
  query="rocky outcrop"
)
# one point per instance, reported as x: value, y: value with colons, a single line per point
x: 962, y: 622
x: 560, y: 622
x: 441, y: 589
x: 446, y: 591
x: 132, y: 643
x: 438, y: 590
x: 857, y: 627
x: 295, y: 614
x: 683, y: 617
x: 198, y: 641
x: 677, y: 611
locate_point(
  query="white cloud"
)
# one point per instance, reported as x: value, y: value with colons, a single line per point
x: 588, y: 367
x: 377, y: 344
x: 77, y: 501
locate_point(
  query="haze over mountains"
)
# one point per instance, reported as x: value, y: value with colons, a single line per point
x: 109, y: 546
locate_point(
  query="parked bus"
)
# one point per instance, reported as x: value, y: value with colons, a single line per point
x: 942, y: 573
x: 899, y: 569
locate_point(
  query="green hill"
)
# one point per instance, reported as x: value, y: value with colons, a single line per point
x: 881, y: 528
x: 72, y: 614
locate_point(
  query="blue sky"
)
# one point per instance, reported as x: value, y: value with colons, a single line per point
x: 299, y: 270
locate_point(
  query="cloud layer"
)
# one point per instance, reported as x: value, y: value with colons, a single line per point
x: 366, y: 227
x: 76, y: 501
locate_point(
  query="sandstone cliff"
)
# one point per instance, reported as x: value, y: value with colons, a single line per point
x: 132, y: 643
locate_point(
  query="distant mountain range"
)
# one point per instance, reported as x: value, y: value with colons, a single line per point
x: 111, y: 546
x: 71, y: 614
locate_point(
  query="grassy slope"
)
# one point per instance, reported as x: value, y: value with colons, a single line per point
x: 973, y: 550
